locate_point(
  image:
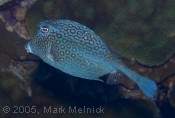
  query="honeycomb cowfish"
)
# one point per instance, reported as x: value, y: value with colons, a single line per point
x: 76, y: 50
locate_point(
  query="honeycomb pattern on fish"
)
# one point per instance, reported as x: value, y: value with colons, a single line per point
x: 75, y: 49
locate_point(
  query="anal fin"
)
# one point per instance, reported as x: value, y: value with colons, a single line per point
x: 115, y: 77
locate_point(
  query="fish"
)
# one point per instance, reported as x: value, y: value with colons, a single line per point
x: 78, y: 51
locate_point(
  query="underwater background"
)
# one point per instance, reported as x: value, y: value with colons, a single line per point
x: 142, y: 32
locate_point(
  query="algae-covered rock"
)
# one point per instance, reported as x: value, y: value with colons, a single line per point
x: 142, y: 30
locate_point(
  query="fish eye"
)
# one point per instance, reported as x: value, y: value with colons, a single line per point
x: 44, y: 29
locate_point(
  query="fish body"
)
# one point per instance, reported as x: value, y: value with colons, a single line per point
x: 75, y: 49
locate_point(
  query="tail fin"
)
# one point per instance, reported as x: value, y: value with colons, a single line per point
x: 147, y: 86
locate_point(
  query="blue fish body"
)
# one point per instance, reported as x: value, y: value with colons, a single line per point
x: 75, y: 49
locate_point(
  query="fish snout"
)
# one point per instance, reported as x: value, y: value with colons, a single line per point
x: 28, y: 48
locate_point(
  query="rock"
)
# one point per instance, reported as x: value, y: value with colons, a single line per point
x: 13, y: 14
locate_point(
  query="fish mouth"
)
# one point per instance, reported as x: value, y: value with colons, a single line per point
x: 28, y: 48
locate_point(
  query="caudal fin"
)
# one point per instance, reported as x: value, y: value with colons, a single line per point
x: 147, y: 86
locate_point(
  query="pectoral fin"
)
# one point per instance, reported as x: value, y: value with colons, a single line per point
x: 49, y: 55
